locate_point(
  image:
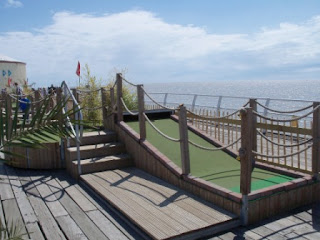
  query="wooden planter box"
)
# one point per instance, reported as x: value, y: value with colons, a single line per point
x: 44, y: 158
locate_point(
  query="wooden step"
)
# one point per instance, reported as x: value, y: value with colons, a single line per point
x: 98, y: 164
x: 96, y: 137
x: 96, y: 150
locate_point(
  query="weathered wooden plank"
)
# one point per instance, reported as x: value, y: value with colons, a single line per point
x: 77, y: 196
x: 81, y: 219
x: 3, y: 224
x: 25, y: 207
x: 13, y: 217
x: 34, y: 231
x: 66, y: 181
x: 47, y: 222
x: 49, y: 196
x: 104, y: 208
x: 181, y: 221
x: 106, y: 226
x: 136, y: 216
x: 185, y: 199
x: 183, y: 203
x: 5, y: 190
x: 70, y: 228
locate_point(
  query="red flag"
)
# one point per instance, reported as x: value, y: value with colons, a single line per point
x: 78, y: 69
x: 9, y: 81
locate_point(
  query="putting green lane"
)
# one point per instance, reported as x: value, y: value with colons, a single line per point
x: 215, y: 166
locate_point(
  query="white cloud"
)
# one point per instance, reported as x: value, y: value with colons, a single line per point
x: 14, y: 4
x: 154, y: 50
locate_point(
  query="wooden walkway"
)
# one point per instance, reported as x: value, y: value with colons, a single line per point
x: 51, y: 205
x: 160, y: 209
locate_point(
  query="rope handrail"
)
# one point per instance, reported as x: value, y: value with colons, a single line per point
x: 282, y: 156
x: 161, y: 133
x: 130, y: 83
x: 17, y: 95
x: 213, y: 118
x: 125, y: 106
x: 115, y: 83
x: 278, y: 111
x: 214, y: 149
x: 157, y: 102
x: 33, y: 102
x: 283, y: 145
x: 285, y: 120
x: 88, y: 91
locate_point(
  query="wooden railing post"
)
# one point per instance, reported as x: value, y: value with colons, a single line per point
x: 59, y: 100
x: 119, y: 96
x: 246, y: 159
x: 142, y: 120
x: 37, y: 97
x: 9, y: 115
x: 104, y: 107
x: 253, y: 105
x: 184, y: 144
x: 316, y: 142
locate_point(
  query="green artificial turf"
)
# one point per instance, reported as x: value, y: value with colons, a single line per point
x: 214, y: 166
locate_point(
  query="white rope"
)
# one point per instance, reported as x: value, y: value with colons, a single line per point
x: 157, y: 102
x: 213, y: 118
x: 214, y: 149
x: 282, y: 156
x: 161, y: 133
x: 125, y: 106
x: 286, y: 120
x: 283, y: 145
x: 129, y: 82
x: 277, y: 111
x: 88, y: 91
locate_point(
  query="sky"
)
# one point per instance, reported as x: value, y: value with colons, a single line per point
x: 157, y: 41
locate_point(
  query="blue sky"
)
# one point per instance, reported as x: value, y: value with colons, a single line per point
x: 163, y: 41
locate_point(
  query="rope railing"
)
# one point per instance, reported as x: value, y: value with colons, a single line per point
x: 283, y: 145
x: 213, y: 118
x: 282, y: 156
x: 214, y: 149
x: 81, y: 91
x: 127, y: 109
x: 278, y: 111
x: 285, y: 120
x: 130, y: 83
x: 165, y: 107
x: 157, y: 130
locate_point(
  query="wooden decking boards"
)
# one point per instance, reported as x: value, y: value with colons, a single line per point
x: 160, y: 209
x: 20, y: 198
x: 50, y: 205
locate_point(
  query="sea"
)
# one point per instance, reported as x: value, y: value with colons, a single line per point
x: 282, y: 94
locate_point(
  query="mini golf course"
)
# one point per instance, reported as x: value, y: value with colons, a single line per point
x: 215, y: 166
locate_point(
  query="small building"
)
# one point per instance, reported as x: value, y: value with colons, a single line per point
x: 12, y: 71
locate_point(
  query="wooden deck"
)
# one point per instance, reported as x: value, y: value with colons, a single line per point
x: 51, y: 205
x: 158, y: 208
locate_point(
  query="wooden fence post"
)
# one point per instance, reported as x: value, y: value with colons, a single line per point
x: 246, y: 158
x: 119, y: 96
x: 184, y: 144
x: 104, y: 107
x: 59, y: 99
x: 37, y: 97
x: 9, y: 115
x: 253, y: 105
x: 316, y: 142
x: 142, y: 120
